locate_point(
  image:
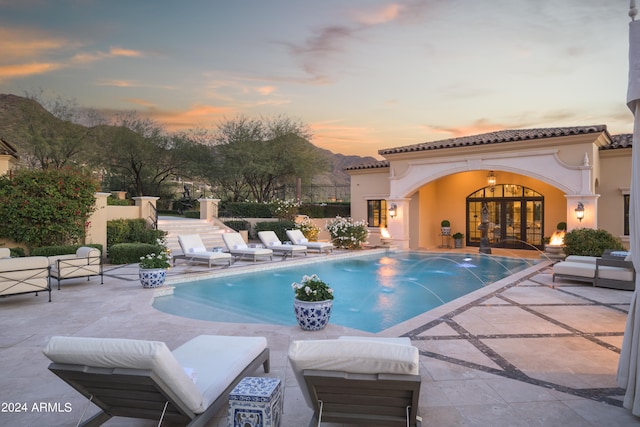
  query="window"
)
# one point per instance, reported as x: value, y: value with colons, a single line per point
x: 377, y: 213
x: 626, y: 214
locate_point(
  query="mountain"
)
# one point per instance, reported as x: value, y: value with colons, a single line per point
x: 19, y: 114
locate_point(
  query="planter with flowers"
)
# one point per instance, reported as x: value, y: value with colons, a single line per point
x: 347, y: 233
x: 309, y: 229
x: 153, y: 267
x: 312, y: 303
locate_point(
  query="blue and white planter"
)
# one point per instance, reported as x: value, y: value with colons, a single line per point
x: 312, y: 315
x: 152, y: 277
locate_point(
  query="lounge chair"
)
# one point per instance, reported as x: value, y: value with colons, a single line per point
x: 143, y: 379
x: 606, y: 272
x: 193, y: 250
x: 297, y: 238
x: 358, y: 380
x: 5, y: 253
x: 271, y: 241
x: 238, y: 248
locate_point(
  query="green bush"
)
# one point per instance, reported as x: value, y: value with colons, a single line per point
x: 192, y: 214
x: 238, y: 224
x: 60, y: 250
x: 112, y: 201
x: 279, y: 227
x: 130, y: 253
x: 16, y: 252
x: 46, y: 207
x: 131, y: 231
x: 590, y: 242
x: 245, y: 210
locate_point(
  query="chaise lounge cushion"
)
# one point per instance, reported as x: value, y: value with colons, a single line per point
x: 575, y: 268
x: 581, y: 258
x: 215, y: 360
x: 357, y: 356
x: 131, y: 354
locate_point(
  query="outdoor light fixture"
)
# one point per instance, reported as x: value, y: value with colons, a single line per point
x: 393, y: 210
x: 580, y: 211
x: 491, y: 179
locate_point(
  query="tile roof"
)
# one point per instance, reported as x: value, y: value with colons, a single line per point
x: 496, y: 138
x: 376, y: 165
x: 624, y: 140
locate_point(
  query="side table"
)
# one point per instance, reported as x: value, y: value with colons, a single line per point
x: 255, y: 402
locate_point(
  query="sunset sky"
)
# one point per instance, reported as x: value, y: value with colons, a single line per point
x: 363, y: 74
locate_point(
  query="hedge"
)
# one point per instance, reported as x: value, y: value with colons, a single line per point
x: 130, y: 253
x: 60, y: 249
x: 279, y: 227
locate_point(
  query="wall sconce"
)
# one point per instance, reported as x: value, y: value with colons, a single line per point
x: 580, y: 211
x: 393, y: 210
x: 491, y: 180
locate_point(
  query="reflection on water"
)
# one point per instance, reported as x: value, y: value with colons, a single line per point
x: 372, y: 293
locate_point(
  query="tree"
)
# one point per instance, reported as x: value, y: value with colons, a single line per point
x: 139, y: 152
x: 259, y: 156
x: 46, y: 207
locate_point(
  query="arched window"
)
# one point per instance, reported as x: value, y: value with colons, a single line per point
x: 516, y: 216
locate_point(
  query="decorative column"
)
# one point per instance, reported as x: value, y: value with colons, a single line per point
x: 144, y: 203
x: 399, y: 225
x: 97, y: 223
x: 208, y: 208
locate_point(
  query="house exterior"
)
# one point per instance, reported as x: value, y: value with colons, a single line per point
x: 528, y: 180
x: 8, y: 157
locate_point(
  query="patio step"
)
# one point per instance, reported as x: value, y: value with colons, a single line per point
x: 210, y: 233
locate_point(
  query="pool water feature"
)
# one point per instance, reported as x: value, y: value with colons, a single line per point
x: 372, y: 293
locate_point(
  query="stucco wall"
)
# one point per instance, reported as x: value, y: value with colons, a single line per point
x: 615, y: 178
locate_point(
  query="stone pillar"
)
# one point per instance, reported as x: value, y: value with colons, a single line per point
x: 144, y: 203
x: 120, y: 195
x: 97, y: 227
x: 208, y: 209
x: 399, y: 226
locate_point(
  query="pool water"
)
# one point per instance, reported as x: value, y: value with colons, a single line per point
x: 372, y: 293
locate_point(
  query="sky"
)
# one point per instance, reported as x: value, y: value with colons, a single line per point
x: 364, y: 75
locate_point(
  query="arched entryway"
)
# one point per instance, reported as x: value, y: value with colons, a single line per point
x: 516, y: 216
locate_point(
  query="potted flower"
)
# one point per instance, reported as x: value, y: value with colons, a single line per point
x: 445, y: 227
x: 153, y: 267
x: 309, y: 229
x: 457, y: 239
x: 312, y: 303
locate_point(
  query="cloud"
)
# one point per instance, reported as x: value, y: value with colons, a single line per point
x: 22, y: 70
x: 22, y: 43
x: 381, y: 15
x: 87, y: 57
x: 266, y: 90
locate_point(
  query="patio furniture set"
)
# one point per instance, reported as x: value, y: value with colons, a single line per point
x: 613, y: 270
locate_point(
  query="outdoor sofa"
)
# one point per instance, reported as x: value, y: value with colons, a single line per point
x: 359, y: 380
x: 608, y: 271
x: 86, y: 262
x: 24, y: 275
x: 143, y: 379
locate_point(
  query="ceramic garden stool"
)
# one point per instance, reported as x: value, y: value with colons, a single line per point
x: 256, y: 402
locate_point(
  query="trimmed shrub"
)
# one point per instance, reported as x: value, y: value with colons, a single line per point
x: 590, y: 242
x: 130, y: 253
x: 131, y: 231
x: 279, y: 227
x: 16, y: 252
x: 60, y: 250
x: 238, y: 224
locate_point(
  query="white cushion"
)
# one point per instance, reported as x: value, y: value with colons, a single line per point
x: 304, y: 240
x: 218, y: 360
x: 87, y: 251
x: 615, y: 273
x: 132, y: 354
x: 358, y: 356
x: 243, y: 246
x: 580, y: 269
x: 5, y: 253
x: 581, y: 258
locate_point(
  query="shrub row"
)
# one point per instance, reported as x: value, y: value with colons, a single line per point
x: 129, y: 253
x: 60, y: 249
x: 279, y: 227
x: 590, y: 242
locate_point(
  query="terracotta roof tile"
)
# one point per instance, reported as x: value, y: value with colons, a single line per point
x: 624, y: 140
x: 496, y: 138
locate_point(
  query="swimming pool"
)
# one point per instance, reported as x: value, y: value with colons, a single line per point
x: 372, y: 293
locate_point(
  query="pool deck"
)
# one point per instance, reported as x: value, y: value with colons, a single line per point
x: 520, y: 352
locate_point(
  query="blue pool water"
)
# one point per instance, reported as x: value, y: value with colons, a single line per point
x: 372, y: 293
